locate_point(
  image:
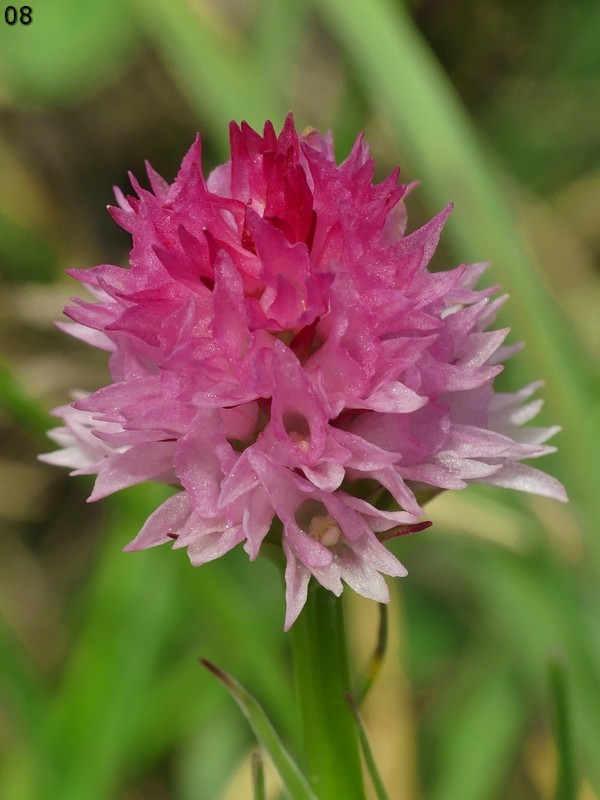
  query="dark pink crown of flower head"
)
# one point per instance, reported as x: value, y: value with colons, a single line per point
x: 279, y: 349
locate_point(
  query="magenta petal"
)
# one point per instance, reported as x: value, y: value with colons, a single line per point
x: 298, y: 417
x: 230, y: 321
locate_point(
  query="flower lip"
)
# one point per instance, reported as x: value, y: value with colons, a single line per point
x: 297, y: 428
x: 314, y: 519
x: 325, y: 530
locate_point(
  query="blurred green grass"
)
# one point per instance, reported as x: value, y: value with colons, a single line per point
x: 493, y: 106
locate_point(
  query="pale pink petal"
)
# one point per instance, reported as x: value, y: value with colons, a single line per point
x: 524, y: 478
x: 164, y: 524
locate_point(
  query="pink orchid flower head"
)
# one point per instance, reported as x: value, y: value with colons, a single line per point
x: 281, y: 353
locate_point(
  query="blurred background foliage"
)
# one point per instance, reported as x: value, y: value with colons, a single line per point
x: 495, y: 105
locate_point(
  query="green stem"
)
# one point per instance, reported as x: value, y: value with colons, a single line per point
x: 372, y: 671
x: 322, y: 678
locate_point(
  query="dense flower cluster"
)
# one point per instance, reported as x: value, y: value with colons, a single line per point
x: 279, y: 349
